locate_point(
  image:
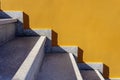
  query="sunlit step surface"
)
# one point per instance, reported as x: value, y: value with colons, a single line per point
x: 57, y: 67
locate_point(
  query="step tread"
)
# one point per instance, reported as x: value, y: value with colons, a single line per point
x: 89, y: 75
x: 13, y: 53
x: 56, y: 67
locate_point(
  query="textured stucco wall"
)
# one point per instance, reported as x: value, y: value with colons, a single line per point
x: 93, y: 25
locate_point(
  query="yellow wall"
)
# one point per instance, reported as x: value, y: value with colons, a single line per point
x: 93, y: 25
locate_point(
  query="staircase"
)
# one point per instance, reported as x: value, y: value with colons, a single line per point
x: 28, y: 55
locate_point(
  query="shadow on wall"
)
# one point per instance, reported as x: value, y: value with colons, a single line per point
x: 105, y: 71
x: 26, y: 21
x: 54, y: 38
x: 80, y: 55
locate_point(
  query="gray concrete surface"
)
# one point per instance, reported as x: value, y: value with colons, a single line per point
x: 41, y: 32
x: 16, y: 15
x: 12, y: 55
x: 91, y: 66
x: 67, y: 49
x: 7, y: 32
x: 30, y: 67
x: 89, y: 75
x: 57, y: 67
x: 48, y: 47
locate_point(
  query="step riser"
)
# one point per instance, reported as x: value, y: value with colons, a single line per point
x: 91, y: 66
x: 15, y: 15
x: 7, y: 30
x: 96, y: 67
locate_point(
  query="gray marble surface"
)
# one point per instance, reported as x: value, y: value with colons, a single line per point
x: 13, y: 53
x: 56, y: 67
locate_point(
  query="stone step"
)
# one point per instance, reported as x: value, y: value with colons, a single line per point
x: 58, y: 66
x: 91, y: 75
x: 12, y: 55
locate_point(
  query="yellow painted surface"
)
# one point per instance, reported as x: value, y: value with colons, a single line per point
x: 93, y: 25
